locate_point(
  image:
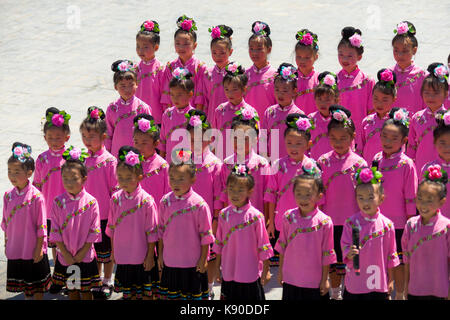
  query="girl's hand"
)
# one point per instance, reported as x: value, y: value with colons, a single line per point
x: 324, y: 287
x: 271, y: 230
x: 149, y: 262
x: 352, y: 253
x: 390, y: 286
x: 38, y: 254
x: 68, y: 258
x: 202, y: 265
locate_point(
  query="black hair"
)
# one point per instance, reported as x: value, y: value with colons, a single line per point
x: 238, y: 77
x: 323, y: 88
x: 404, y: 129
x: 152, y: 36
x: 180, y: 30
x: 279, y: 77
x: 95, y: 124
x: 441, y: 128
x: 187, y: 84
x: 347, y: 33
x: 293, y: 117
x: 313, y: 46
x: 77, y: 164
x: 235, y: 176
x: 349, y: 126
x: 48, y: 125
x: 182, y: 162
x: 252, y: 123
x: 265, y: 37
x: 27, y: 163
x: 137, y: 169
x: 122, y: 75
x: 433, y: 81
x: 205, y: 122
x: 154, y: 134
x: 386, y: 87
x: 306, y: 176
x: 409, y: 36
x: 226, y: 37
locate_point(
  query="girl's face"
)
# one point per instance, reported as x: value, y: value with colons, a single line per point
x: 56, y: 138
x: 126, y: 88
x: 250, y: 139
x: 180, y: 180
x: 392, y: 139
x: 180, y: 97
x: 323, y: 103
x: 72, y: 180
x: 296, y: 144
x: 238, y: 192
x: 442, y: 145
x: 305, y: 58
x: 369, y: 198
x: 340, y: 140
x: 403, y: 53
x: 144, y: 143
x: 258, y: 52
x: 285, y: 92
x: 220, y: 53
x: 185, y: 46
x: 128, y: 180
x: 433, y: 98
x: 428, y: 201
x: 92, y: 139
x: 17, y: 175
x: 382, y: 102
x: 146, y: 49
x: 306, y: 195
x: 234, y: 92
x: 348, y: 58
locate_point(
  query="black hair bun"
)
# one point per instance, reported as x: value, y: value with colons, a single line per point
x: 336, y: 107
x: 347, y: 32
x: 297, y: 36
x: 433, y: 66
x: 52, y: 110
x: 411, y: 28
x: 324, y: 74
x: 292, y: 117
x: 126, y: 149
x: 22, y: 145
x: 101, y: 113
x: 142, y: 116
x: 266, y: 28
x: 394, y: 76
x: 229, y: 30
x: 239, y: 70
x: 286, y: 65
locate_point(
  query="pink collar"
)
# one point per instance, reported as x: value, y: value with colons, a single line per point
x: 184, y: 110
x: 393, y: 156
x: 57, y: 153
x: 286, y: 108
x: 343, y: 157
x: 151, y: 158
x: 184, y: 196
x: 24, y: 190
x: 351, y: 75
x: 309, y: 215
x: 126, y: 103
x: 98, y: 153
x: 237, y: 107
x: 432, y: 219
x: 301, y: 76
x: 370, y: 218
x: 244, y: 208
x: 131, y: 196
x: 150, y: 62
x: 406, y: 70
x: 77, y: 197
x: 262, y: 70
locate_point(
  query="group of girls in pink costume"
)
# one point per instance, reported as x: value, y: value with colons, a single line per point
x: 199, y: 174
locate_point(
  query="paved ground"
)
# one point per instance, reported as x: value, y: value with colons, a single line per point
x: 55, y: 53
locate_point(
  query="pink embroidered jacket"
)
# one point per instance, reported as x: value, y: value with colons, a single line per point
x: 156, y: 177
x: 305, y: 91
x: 260, y: 90
x: 319, y: 135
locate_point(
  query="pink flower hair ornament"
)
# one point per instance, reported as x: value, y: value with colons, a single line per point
x: 196, y: 121
x: 259, y: 27
x: 341, y: 116
x: 441, y: 72
x: 131, y: 158
x: 240, y: 170
x: 401, y: 115
x: 234, y: 69
x: 302, y: 124
x: 311, y: 168
x: 180, y: 73
x: 306, y: 38
x: 126, y: 65
x: 330, y: 80
x: 403, y: 28
x: 95, y: 114
x: 187, y: 24
x: 74, y: 153
x: 151, y: 26
x: 247, y: 113
x: 434, y: 173
x: 145, y: 125
x: 22, y: 153
x: 288, y: 73
x: 368, y: 175
x: 356, y: 40
x: 217, y: 32
x: 445, y: 117
x: 388, y: 77
x: 58, y: 119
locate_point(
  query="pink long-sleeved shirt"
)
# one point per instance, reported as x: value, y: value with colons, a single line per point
x: 260, y: 89
x: 156, y: 177
x: 305, y: 91
x: 319, y: 136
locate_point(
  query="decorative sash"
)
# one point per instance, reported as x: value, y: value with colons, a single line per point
x: 156, y: 171
x: 206, y: 166
x: 394, y: 167
x: 373, y: 235
x: 129, y: 114
x: 128, y: 212
x: 181, y: 212
x: 260, y: 82
x: 304, y: 230
x: 238, y: 227
x: 358, y: 86
x: 100, y: 164
x: 316, y: 139
x: 426, y: 238
x: 20, y: 206
x: 341, y: 173
x: 149, y: 74
x: 72, y: 215
x: 411, y: 80
x: 47, y: 176
x: 303, y: 92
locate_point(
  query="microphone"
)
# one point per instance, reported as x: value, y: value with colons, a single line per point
x: 355, y: 237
